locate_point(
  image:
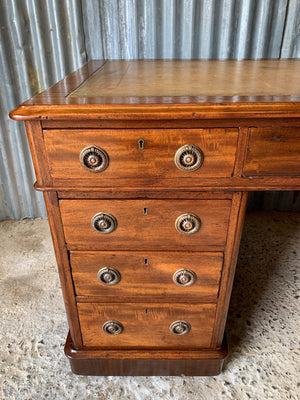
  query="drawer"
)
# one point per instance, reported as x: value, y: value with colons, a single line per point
x: 124, y: 275
x: 273, y: 151
x: 137, y: 156
x: 146, y: 325
x: 146, y: 224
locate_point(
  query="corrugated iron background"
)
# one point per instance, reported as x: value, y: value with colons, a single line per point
x: 42, y: 41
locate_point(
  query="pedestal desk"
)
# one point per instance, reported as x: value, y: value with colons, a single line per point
x: 145, y: 168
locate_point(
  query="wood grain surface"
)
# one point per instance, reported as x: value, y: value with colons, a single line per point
x: 146, y: 274
x: 173, y: 89
x: 154, y: 231
x: 141, y: 362
x: 273, y: 151
x: 128, y: 161
x: 146, y: 325
x: 63, y: 264
x: 192, y: 78
x: 237, y: 216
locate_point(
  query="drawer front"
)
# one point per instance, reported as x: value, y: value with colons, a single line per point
x: 138, y: 156
x: 146, y: 325
x: 145, y: 224
x: 117, y: 275
x: 273, y: 151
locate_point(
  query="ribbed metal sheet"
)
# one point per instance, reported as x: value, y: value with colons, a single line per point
x: 42, y: 41
x: 185, y: 28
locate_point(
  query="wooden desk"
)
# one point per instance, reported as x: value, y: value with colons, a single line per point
x: 145, y: 168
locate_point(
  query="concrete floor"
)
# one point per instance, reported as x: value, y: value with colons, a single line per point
x: 262, y: 329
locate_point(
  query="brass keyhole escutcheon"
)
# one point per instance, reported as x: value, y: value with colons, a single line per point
x: 141, y: 143
x: 189, y: 158
x: 109, y: 276
x: 94, y: 159
x: 188, y: 223
x: 112, y: 327
x: 184, y: 277
x: 104, y: 222
x: 180, y: 327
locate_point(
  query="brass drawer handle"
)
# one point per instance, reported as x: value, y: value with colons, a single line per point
x: 94, y: 159
x: 188, y: 223
x: 104, y: 222
x: 180, y: 327
x: 184, y: 277
x: 109, y: 276
x: 189, y: 158
x: 112, y: 327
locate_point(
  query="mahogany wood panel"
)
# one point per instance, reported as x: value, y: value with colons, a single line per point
x: 140, y: 193
x: 128, y: 161
x: 237, y: 216
x: 210, y: 109
x: 202, y: 91
x: 240, y: 152
x: 166, y: 124
x: 153, y: 231
x: 228, y: 185
x: 147, y: 274
x: 146, y: 325
x: 62, y: 259
x: 38, y: 152
x: 273, y: 151
x: 69, y: 83
x: 140, y: 362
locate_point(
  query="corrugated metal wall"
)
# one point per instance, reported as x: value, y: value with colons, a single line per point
x: 42, y: 41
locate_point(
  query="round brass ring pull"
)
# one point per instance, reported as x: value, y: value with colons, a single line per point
x: 94, y: 159
x: 188, y: 223
x: 180, y: 327
x: 104, y: 222
x: 189, y: 158
x: 109, y: 276
x: 112, y: 327
x: 184, y: 277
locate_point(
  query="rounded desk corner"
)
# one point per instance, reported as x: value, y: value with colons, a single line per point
x: 21, y: 114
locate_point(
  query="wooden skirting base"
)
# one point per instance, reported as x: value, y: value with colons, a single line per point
x: 146, y: 362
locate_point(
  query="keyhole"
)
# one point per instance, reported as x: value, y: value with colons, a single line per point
x: 146, y: 261
x: 141, y: 144
x: 145, y: 211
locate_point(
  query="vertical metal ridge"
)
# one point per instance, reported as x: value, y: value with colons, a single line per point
x: 39, y: 45
x: 291, y: 35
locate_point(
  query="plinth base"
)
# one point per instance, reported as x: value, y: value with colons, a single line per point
x: 146, y: 362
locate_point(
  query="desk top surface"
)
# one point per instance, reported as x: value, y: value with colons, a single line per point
x: 192, y: 79
x: 193, y: 86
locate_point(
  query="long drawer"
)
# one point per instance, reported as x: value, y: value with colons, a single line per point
x: 181, y: 225
x: 143, y: 325
x: 138, y: 155
x: 114, y: 276
x: 273, y: 151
